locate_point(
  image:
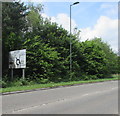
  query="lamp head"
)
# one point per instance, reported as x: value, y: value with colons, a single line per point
x: 75, y: 3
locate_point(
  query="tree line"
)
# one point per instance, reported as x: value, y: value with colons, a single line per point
x: 47, y: 45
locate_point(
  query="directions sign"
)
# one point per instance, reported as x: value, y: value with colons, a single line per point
x: 17, y: 59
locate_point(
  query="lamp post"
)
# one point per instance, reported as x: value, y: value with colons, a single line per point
x: 71, y: 42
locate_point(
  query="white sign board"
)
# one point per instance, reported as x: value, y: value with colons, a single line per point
x: 17, y: 59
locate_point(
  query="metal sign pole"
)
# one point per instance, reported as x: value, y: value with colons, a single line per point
x: 23, y: 73
x: 11, y: 73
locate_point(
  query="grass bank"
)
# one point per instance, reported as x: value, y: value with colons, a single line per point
x: 37, y: 86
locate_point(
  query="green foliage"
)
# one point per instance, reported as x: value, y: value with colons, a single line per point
x: 42, y: 81
x: 89, y: 77
x: 34, y: 18
x: 13, y: 18
x: 14, y: 27
x: 16, y: 82
x: 3, y: 84
x: 47, y: 45
x: 94, y: 58
x: 41, y: 59
x: 36, y: 86
x: 110, y: 56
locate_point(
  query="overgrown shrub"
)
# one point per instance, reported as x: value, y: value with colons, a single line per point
x: 48, y: 49
x: 3, y: 84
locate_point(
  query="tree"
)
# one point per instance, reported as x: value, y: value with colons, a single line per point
x: 54, y: 37
x: 47, y: 45
x: 110, y: 56
x: 13, y: 28
x: 43, y: 62
x: 13, y: 18
x: 34, y: 19
x: 93, y: 62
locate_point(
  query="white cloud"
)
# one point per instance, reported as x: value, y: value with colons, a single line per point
x: 106, y: 6
x: 110, y: 9
x: 63, y: 20
x: 105, y: 28
x: 44, y: 15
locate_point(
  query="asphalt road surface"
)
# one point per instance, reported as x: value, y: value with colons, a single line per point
x: 94, y: 98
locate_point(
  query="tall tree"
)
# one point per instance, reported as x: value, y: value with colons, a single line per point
x: 13, y: 28
x: 13, y: 18
x: 109, y: 55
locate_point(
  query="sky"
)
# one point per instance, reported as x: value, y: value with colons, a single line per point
x: 93, y: 19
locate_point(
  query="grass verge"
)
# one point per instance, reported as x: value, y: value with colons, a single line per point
x: 37, y: 86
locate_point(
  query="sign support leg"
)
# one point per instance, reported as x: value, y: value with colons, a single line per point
x: 11, y: 73
x: 23, y: 73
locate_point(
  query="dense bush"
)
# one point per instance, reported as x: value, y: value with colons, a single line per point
x: 47, y: 45
x: 3, y: 84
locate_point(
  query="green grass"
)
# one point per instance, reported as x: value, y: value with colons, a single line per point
x: 36, y: 86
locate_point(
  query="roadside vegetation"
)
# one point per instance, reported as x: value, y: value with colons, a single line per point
x: 31, y: 86
x: 48, y: 56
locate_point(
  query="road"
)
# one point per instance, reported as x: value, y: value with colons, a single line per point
x: 94, y: 98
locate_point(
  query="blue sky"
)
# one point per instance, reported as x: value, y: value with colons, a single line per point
x: 93, y: 19
x: 85, y: 13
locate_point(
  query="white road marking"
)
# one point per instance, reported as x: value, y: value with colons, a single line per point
x: 62, y: 99
x: 85, y: 94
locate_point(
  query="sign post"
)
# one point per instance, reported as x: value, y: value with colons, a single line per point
x: 17, y: 60
x: 11, y: 73
x: 23, y: 75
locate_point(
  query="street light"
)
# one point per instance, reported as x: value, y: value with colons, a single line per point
x: 71, y: 42
x: 75, y: 3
